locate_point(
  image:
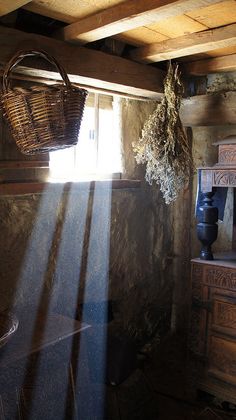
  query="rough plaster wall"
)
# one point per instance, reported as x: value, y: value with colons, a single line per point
x: 221, y: 82
x: 55, y: 244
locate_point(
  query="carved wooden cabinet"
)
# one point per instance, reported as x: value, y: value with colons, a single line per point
x: 213, y: 324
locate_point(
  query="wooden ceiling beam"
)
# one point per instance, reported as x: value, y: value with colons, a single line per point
x: 85, y: 66
x: 126, y: 16
x: 212, y: 65
x: 8, y: 6
x: 209, y: 110
x: 187, y: 45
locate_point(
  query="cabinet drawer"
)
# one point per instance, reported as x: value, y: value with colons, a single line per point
x: 220, y: 277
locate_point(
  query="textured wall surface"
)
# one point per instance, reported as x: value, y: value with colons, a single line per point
x: 91, y: 246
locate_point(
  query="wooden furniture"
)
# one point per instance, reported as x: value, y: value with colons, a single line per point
x: 222, y: 174
x: 213, y: 324
x: 213, y: 312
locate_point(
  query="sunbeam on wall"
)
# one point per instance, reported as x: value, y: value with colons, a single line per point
x: 64, y: 265
x: 97, y: 273
x: 67, y: 255
x: 33, y: 273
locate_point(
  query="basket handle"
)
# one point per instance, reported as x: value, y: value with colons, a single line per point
x: 20, y: 55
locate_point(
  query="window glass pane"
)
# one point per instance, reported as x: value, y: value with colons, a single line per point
x: 107, y: 147
x: 98, y: 149
x: 86, y: 149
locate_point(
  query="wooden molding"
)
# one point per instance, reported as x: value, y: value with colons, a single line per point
x: 212, y: 109
x: 211, y: 65
x: 84, y: 66
x: 22, y: 188
x: 23, y: 164
x: 195, y: 43
x: 8, y: 6
x: 126, y: 16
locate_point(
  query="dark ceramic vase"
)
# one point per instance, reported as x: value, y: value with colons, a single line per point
x: 207, y: 228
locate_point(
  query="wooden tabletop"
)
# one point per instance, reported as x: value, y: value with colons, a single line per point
x: 35, y: 335
x: 223, y: 259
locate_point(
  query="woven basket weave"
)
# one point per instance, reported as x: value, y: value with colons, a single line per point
x: 42, y: 118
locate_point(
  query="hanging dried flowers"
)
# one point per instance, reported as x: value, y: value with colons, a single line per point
x: 164, y: 146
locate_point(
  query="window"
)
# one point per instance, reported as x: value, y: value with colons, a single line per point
x: 97, y: 154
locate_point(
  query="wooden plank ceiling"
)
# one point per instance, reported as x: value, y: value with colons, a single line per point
x: 187, y: 30
x: 163, y: 29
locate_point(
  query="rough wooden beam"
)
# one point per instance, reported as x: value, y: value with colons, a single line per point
x: 23, y: 164
x: 87, y: 66
x: 207, y: 110
x: 8, y: 6
x: 186, y: 45
x: 15, y: 188
x: 126, y: 16
x: 211, y: 65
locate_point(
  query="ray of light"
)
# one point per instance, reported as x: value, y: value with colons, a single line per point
x: 30, y: 283
x: 63, y: 297
x: 67, y: 289
x: 93, y: 345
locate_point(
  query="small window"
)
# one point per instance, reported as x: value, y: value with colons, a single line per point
x: 98, y: 152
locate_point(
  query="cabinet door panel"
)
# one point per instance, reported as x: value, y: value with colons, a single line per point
x: 222, y: 359
x: 224, y: 315
x: 221, y: 350
x: 214, y: 312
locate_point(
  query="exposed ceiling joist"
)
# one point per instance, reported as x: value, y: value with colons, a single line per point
x: 8, y: 6
x: 126, y: 16
x: 196, y: 43
x: 211, y: 65
x: 211, y: 109
x: 87, y: 67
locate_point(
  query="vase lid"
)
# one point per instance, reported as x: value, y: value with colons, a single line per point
x: 227, y: 140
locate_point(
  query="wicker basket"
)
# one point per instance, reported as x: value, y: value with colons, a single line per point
x: 42, y: 118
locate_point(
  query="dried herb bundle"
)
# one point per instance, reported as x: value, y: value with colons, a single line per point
x: 164, y: 146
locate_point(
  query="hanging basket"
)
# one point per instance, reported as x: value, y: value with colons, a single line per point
x: 42, y: 118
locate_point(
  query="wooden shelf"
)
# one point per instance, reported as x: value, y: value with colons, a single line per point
x: 223, y: 259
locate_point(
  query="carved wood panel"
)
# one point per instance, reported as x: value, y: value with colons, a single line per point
x: 222, y: 277
x: 224, y: 315
x: 215, y: 284
x: 217, y: 177
x: 224, y: 178
x: 227, y: 154
x: 222, y: 359
x: 224, y: 312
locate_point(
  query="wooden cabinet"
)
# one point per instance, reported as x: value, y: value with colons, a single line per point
x: 213, y: 324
